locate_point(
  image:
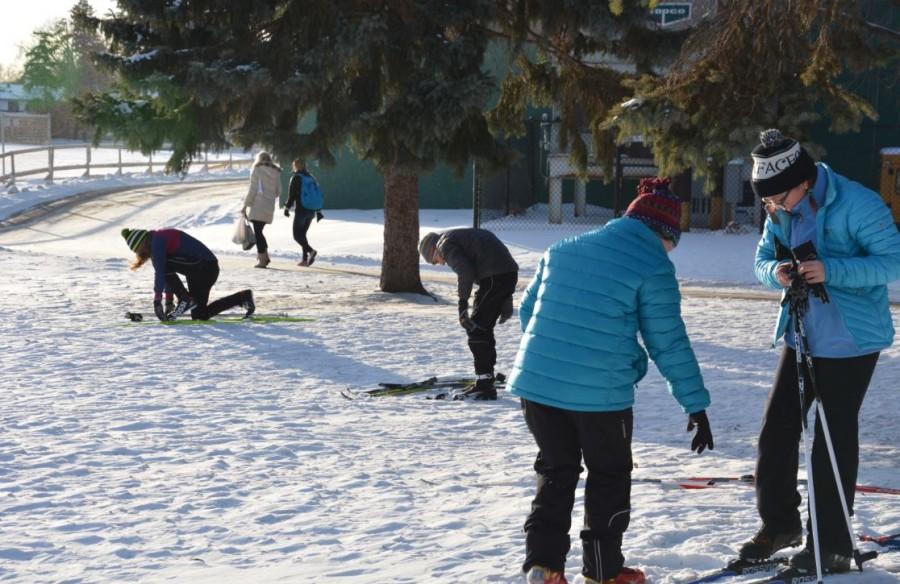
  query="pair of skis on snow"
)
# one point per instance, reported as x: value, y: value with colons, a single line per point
x: 440, y: 388
x: 786, y: 575
x: 691, y: 483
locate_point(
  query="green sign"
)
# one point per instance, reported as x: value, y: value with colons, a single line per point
x: 668, y: 13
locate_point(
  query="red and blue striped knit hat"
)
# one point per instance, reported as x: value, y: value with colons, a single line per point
x: 658, y: 208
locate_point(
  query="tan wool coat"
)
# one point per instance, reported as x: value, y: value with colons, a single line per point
x: 263, y: 193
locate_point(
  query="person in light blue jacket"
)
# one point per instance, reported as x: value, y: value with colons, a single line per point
x: 857, y: 253
x: 576, y: 370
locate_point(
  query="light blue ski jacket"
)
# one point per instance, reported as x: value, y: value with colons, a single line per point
x: 859, y: 245
x: 581, y: 314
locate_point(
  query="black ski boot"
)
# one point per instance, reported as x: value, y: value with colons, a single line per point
x: 483, y: 390
x: 767, y: 541
x: 805, y: 562
x: 248, y: 304
x: 184, y: 305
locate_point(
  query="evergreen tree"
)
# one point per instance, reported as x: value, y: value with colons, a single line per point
x: 753, y: 66
x: 401, y: 81
x: 577, y: 56
x: 747, y: 66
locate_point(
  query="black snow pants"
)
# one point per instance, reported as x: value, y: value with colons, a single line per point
x: 492, y: 292
x: 200, y: 278
x: 842, y: 385
x: 302, y: 220
x: 564, y: 438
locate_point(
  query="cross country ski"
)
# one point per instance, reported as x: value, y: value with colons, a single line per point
x: 691, y: 483
x: 743, y: 567
x: 450, y: 387
x: 138, y: 318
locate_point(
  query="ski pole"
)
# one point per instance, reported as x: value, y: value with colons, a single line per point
x: 807, y: 449
x: 820, y: 409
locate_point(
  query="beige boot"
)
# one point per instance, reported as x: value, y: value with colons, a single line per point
x: 262, y: 260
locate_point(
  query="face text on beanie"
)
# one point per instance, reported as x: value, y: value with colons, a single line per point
x: 768, y: 167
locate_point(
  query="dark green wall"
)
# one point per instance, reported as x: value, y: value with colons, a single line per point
x: 355, y: 184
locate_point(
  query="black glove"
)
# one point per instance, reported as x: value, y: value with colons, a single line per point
x: 159, y: 310
x: 506, y: 310
x: 703, y: 439
x: 319, y: 216
x: 466, y: 322
x: 287, y: 212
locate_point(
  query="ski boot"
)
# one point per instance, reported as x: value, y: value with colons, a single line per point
x: 767, y: 541
x: 247, y: 304
x: 312, y: 257
x: 184, y: 305
x: 483, y: 390
x: 805, y: 562
x: 542, y: 575
x: 625, y: 576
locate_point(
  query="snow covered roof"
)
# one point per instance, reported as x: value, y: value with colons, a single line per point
x: 14, y: 91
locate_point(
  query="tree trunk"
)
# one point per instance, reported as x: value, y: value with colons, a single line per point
x: 400, y: 259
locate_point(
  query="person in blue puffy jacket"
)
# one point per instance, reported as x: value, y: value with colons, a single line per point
x: 857, y: 253
x: 576, y: 370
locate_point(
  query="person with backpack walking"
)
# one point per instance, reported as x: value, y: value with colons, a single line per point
x: 477, y: 255
x: 304, y: 192
x: 264, y: 191
x: 847, y: 322
x: 578, y: 364
x: 173, y: 252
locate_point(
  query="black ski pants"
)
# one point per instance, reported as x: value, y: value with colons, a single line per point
x: 200, y: 278
x: 842, y: 385
x: 492, y: 292
x: 262, y: 246
x: 564, y: 438
x: 302, y: 220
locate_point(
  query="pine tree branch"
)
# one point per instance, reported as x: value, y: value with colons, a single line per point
x: 542, y: 41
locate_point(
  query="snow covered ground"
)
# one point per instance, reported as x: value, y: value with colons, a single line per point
x: 224, y: 453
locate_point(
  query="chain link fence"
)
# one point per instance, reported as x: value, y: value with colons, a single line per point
x: 542, y: 189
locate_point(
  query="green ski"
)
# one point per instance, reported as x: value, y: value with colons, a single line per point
x: 136, y: 318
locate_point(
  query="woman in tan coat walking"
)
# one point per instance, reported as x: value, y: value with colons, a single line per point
x: 259, y: 204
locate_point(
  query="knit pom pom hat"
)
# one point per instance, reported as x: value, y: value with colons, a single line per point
x: 134, y: 237
x: 657, y: 208
x: 779, y: 164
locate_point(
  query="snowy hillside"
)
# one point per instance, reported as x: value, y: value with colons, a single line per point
x: 225, y: 453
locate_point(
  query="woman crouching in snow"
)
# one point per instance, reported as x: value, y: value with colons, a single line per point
x: 174, y: 252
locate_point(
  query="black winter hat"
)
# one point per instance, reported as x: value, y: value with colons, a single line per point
x: 779, y: 164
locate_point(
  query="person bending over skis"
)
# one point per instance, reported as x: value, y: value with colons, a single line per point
x: 477, y: 255
x: 174, y: 252
x: 577, y: 367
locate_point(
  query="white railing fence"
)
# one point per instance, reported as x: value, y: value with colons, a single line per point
x: 86, y: 160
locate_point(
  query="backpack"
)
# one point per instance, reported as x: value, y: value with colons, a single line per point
x: 310, y: 193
